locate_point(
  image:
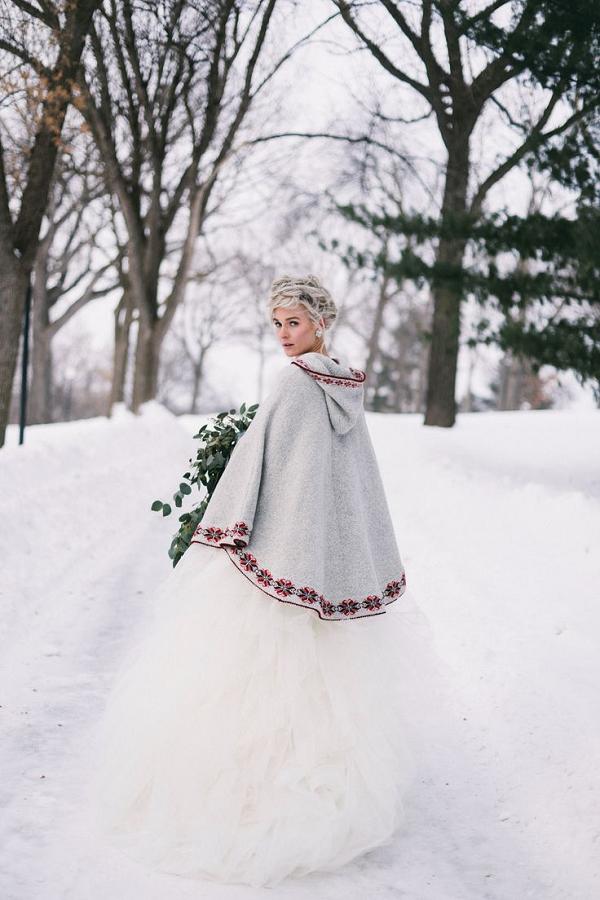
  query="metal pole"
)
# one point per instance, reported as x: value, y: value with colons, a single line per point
x: 24, y: 365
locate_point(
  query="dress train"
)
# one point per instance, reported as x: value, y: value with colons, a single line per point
x: 245, y: 739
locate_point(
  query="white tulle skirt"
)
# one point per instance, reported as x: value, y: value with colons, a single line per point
x: 246, y: 740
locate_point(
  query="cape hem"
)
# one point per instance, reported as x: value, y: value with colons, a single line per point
x: 282, y: 589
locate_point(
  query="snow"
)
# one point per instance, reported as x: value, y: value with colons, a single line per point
x: 497, y: 520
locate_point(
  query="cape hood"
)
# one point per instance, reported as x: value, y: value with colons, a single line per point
x: 300, y: 507
x: 342, y: 386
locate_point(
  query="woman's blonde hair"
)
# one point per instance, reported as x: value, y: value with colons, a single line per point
x: 291, y: 290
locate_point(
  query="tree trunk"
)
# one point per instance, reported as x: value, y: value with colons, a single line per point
x: 123, y: 320
x: 147, y: 357
x: 198, y: 371
x: 421, y: 391
x: 514, y: 370
x: 514, y: 373
x: 373, y: 345
x: 13, y: 287
x: 40, y: 392
x: 447, y: 295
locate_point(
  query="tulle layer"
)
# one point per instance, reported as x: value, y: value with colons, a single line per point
x: 246, y: 740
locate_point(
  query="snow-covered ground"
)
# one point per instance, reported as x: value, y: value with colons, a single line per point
x: 498, y: 523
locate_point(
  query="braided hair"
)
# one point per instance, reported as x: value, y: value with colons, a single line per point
x: 291, y: 290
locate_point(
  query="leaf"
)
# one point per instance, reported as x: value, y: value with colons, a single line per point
x: 178, y: 500
x: 157, y: 505
x: 166, y: 509
x: 185, y: 488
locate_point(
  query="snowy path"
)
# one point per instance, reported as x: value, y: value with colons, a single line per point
x: 498, y: 524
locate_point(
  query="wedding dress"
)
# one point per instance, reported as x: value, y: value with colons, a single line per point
x: 246, y: 740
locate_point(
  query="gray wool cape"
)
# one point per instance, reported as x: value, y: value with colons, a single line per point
x: 300, y: 507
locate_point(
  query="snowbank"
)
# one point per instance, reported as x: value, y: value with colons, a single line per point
x: 497, y: 520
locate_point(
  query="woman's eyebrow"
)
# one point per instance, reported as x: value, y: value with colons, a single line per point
x: 275, y: 319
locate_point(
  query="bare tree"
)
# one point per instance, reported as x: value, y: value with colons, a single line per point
x: 71, y: 269
x: 82, y: 382
x: 440, y: 42
x: 166, y: 91
x: 21, y: 214
x: 202, y: 322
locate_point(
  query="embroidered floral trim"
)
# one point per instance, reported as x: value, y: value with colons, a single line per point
x: 342, y: 380
x: 215, y: 535
x: 283, y: 588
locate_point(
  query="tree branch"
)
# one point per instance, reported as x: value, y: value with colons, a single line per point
x: 535, y: 138
x: 379, y: 55
x: 46, y: 15
x: 503, y: 67
x: 415, y: 39
x: 453, y: 44
x: 88, y: 295
x: 483, y: 14
x: 42, y: 157
x: 364, y: 139
x: 22, y: 54
x: 288, y: 53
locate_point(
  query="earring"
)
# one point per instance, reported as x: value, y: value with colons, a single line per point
x: 318, y: 332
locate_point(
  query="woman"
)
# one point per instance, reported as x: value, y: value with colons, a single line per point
x: 267, y: 725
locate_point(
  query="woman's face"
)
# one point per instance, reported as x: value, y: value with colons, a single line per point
x: 294, y: 330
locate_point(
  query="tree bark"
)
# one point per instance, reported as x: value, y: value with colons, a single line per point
x: 13, y: 286
x: 446, y: 294
x: 198, y: 371
x: 373, y: 345
x: 147, y: 359
x: 123, y: 322
x: 40, y: 392
x: 515, y: 373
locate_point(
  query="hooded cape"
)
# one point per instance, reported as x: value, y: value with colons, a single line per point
x: 300, y: 507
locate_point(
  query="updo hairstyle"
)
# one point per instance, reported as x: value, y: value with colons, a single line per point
x: 307, y: 290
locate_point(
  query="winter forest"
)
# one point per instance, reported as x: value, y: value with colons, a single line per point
x: 162, y: 161
x: 436, y: 164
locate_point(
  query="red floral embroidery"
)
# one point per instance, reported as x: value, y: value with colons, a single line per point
x: 215, y: 535
x: 372, y: 602
x: 309, y: 595
x: 283, y: 587
x: 263, y: 576
x: 348, y: 607
x: 247, y: 561
x: 394, y: 588
x: 333, y: 379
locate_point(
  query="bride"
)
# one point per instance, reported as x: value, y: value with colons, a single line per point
x: 270, y: 721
